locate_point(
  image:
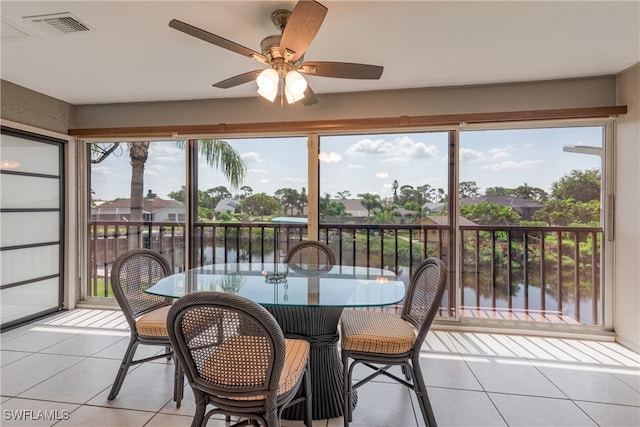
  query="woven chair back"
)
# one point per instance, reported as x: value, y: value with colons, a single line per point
x: 228, y: 345
x: 424, y: 296
x: 131, y: 274
x: 310, y: 255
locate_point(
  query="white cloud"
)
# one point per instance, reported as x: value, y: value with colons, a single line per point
x: 416, y: 150
x: 251, y: 157
x: 257, y: 171
x: 527, y: 164
x: 369, y: 146
x: 382, y: 175
x: 499, y: 153
x: 471, y: 156
x: 331, y: 157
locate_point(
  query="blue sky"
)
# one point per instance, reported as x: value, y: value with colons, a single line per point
x: 369, y: 163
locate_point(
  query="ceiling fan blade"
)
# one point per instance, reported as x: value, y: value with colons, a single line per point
x: 344, y: 70
x: 302, y: 27
x: 309, y: 97
x: 238, y: 80
x: 217, y: 40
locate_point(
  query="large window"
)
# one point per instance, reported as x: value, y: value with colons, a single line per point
x: 134, y: 203
x: 384, y: 199
x: 516, y: 214
x: 530, y: 200
x: 244, y: 216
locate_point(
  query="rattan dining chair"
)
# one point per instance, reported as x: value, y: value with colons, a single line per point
x: 146, y: 314
x: 237, y: 359
x: 381, y: 340
x: 310, y: 255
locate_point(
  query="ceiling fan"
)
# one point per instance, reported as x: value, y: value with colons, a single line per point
x: 283, y: 55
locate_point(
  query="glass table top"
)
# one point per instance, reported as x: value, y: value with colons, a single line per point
x: 281, y: 284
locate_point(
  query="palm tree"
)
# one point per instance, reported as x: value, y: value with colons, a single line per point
x: 218, y: 153
x: 395, y: 186
x: 370, y: 202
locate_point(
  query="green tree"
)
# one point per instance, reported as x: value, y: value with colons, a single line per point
x: 180, y: 195
x: 343, y: 194
x: 247, y: 191
x: 370, y: 202
x: 469, y: 190
x: 530, y: 193
x: 288, y: 198
x: 386, y: 215
x: 575, y: 200
x: 218, y: 153
x: 260, y: 204
x: 487, y: 213
x: 497, y: 191
x: 581, y: 186
x: 302, y: 201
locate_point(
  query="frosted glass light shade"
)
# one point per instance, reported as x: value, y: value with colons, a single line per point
x: 268, y: 82
x: 296, y: 83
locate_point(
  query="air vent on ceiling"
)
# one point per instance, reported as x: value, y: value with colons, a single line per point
x: 59, y: 23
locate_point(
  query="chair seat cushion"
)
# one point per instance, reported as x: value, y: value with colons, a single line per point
x: 153, y: 323
x: 229, y: 362
x: 375, y: 332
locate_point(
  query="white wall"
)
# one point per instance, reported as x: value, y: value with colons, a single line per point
x: 627, y: 213
x: 576, y: 93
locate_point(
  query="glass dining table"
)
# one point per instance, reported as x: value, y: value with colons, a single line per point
x: 306, y: 303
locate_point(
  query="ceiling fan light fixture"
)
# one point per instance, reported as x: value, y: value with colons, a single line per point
x: 269, y: 95
x: 268, y: 82
x: 291, y: 97
x: 295, y: 83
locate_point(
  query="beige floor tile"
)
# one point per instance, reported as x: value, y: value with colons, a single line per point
x: 94, y: 416
x: 383, y: 405
x: 35, y: 340
x: 463, y: 408
x: 449, y: 371
x: 539, y: 411
x: 518, y: 376
x: 612, y: 415
x: 168, y: 420
x: 77, y: 384
x: 7, y: 356
x: 588, y: 384
x: 147, y: 388
x: 29, y: 371
x: 85, y: 344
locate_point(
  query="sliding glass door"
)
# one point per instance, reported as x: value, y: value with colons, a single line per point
x: 32, y: 226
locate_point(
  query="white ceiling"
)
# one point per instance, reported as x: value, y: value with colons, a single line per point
x: 131, y: 54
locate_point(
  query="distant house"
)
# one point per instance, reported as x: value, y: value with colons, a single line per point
x: 153, y: 210
x: 433, y: 234
x: 525, y: 208
x: 353, y: 207
x: 227, y: 205
x: 433, y: 208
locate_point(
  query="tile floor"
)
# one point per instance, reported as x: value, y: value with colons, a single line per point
x: 62, y: 367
